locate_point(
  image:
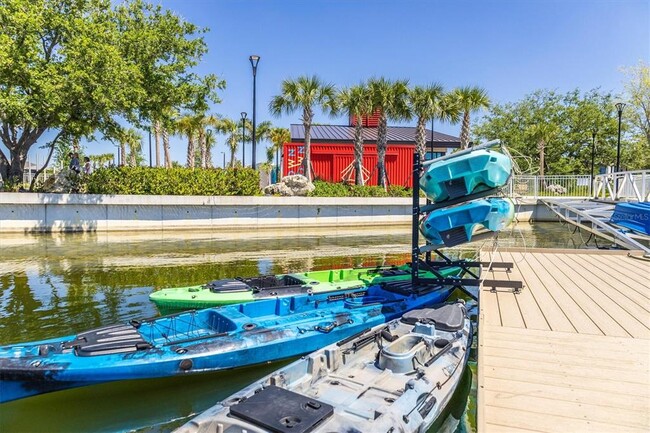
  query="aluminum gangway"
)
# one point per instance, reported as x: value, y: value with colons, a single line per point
x: 593, y: 217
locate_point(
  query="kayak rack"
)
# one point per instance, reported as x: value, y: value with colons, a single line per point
x: 434, y: 266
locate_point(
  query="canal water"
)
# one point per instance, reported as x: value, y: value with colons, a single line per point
x: 59, y: 284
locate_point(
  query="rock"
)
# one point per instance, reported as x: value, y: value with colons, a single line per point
x: 294, y: 185
x: 556, y: 189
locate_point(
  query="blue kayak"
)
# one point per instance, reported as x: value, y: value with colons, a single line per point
x: 206, y: 340
x: 468, y: 173
x: 634, y: 216
x: 455, y: 225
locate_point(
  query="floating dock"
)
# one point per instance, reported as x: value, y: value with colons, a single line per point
x: 571, y: 351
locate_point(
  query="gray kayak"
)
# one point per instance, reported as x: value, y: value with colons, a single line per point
x: 396, y: 377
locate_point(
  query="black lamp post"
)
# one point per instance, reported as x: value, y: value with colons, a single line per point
x: 150, y: 162
x: 593, y: 153
x: 243, y: 139
x: 254, y: 61
x: 224, y: 159
x: 619, y: 108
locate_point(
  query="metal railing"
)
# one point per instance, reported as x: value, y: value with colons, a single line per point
x: 550, y: 186
x: 624, y: 185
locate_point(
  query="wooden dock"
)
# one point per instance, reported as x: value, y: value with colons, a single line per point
x: 571, y: 352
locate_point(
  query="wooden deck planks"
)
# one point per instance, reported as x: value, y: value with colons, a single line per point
x: 579, y: 358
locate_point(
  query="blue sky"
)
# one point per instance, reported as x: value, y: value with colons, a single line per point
x: 510, y: 48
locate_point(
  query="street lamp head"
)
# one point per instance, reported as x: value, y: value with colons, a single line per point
x: 254, y: 61
x: 619, y: 107
x: 243, y: 115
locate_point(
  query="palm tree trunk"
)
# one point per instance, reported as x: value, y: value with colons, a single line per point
x: 122, y: 154
x: 358, y: 154
x: 202, y: 146
x: 190, y: 151
x: 165, y: 140
x: 208, y: 156
x: 420, y: 137
x: 464, y: 131
x: 156, y: 135
x: 381, y: 151
x: 307, y: 117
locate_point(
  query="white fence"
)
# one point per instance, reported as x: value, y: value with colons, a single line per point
x: 550, y: 186
x: 624, y: 185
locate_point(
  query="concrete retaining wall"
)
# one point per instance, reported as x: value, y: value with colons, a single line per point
x: 24, y: 212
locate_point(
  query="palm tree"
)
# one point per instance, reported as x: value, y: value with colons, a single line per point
x: 542, y: 133
x: 278, y: 137
x: 470, y: 99
x: 305, y: 93
x: 389, y: 98
x: 204, y: 121
x: 356, y: 101
x: 210, y: 141
x: 425, y: 104
x: 187, y: 127
x: 230, y: 128
x: 134, y: 141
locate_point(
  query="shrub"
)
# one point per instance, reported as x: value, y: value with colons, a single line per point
x: 174, y: 181
x: 327, y: 189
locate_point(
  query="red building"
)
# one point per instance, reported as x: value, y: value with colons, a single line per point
x: 332, y: 151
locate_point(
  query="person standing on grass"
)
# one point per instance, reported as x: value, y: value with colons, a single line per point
x: 88, y: 168
x: 74, y: 162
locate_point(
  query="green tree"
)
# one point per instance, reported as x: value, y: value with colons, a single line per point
x: 470, y: 99
x: 389, y: 98
x: 75, y: 67
x: 356, y: 102
x: 303, y: 94
x: 551, y: 133
x: 636, y: 152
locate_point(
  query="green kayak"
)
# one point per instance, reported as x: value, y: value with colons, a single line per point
x: 238, y: 290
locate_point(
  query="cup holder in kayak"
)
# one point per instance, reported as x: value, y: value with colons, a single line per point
x: 181, y: 351
x: 440, y: 343
x: 248, y: 326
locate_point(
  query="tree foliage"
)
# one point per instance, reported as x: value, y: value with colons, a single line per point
x: 558, y: 129
x: 81, y: 66
x: 637, y: 113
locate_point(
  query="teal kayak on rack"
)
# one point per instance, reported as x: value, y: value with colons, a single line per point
x: 468, y: 173
x: 455, y: 225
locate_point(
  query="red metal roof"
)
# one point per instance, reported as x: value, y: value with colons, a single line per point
x: 395, y: 134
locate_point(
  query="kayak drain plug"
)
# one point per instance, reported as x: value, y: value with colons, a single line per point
x: 185, y: 364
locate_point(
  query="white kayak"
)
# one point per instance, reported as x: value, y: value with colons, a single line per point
x: 396, y: 377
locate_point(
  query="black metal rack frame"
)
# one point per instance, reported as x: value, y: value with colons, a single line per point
x: 434, y: 266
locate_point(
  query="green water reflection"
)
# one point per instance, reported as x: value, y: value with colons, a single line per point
x: 52, y: 285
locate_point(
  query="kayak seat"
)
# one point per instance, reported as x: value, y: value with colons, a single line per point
x: 108, y: 340
x: 394, y: 272
x: 448, y: 317
x: 227, y: 285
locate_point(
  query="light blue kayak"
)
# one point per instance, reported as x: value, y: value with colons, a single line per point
x: 206, y: 340
x: 468, y: 173
x: 455, y: 225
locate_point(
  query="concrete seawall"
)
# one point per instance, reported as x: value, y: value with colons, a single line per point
x: 29, y: 213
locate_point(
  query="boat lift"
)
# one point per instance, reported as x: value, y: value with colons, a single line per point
x: 593, y: 216
x: 434, y: 266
